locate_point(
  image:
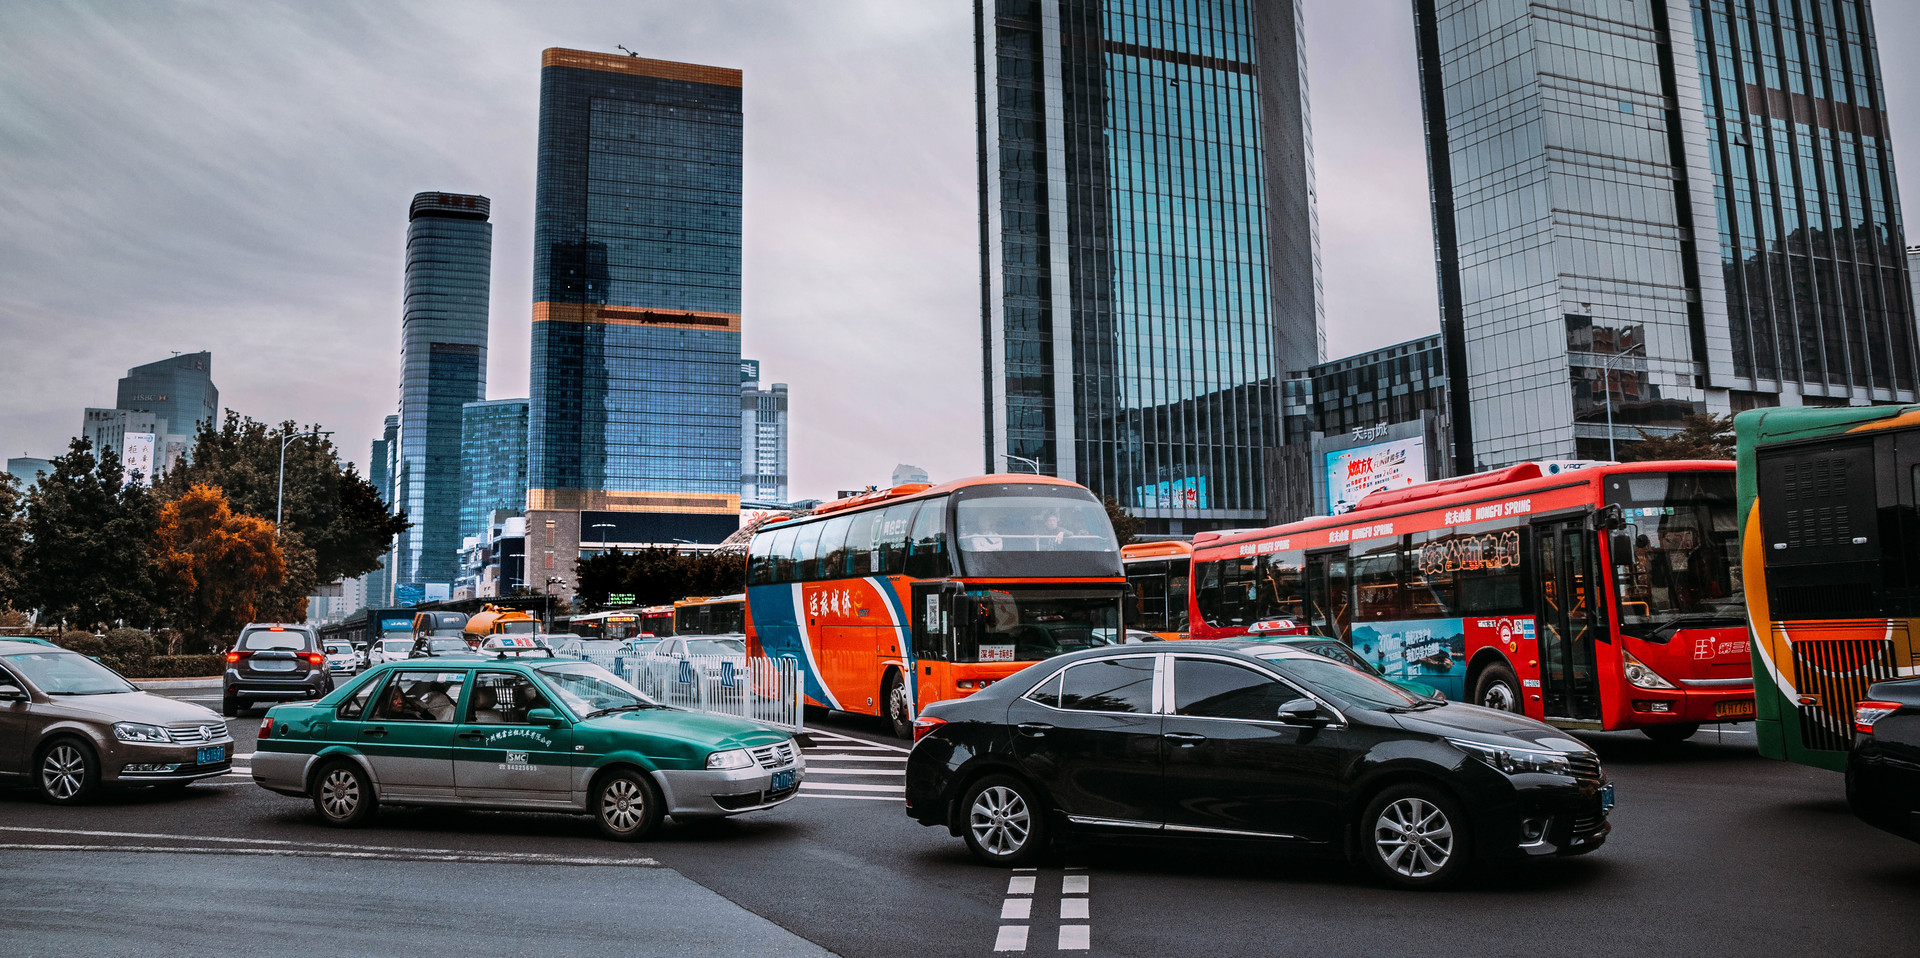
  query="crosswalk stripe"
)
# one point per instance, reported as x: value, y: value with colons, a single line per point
x: 812, y: 757
x: 817, y: 770
x: 853, y: 787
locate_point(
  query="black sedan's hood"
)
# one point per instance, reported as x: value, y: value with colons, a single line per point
x: 1489, y: 726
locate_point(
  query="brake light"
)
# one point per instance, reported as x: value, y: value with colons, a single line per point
x: 276, y: 628
x: 925, y: 724
x: 314, y: 658
x: 233, y: 657
x: 1868, y: 712
x: 266, y: 727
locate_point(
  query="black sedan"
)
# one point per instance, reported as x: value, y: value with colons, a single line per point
x: 1883, y: 769
x: 1245, y: 741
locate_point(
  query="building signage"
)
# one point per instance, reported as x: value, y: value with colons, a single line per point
x: 1353, y: 473
x: 136, y: 458
x: 1190, y: 493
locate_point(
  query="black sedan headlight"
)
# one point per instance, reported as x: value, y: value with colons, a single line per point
x: 1514, y: 761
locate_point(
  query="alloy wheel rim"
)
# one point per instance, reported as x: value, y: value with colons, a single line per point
x: 1000, y: 821
x: 1498, y: 696
x: 340, y: 793
x: 1413, y: 837
x: 63, y: 772
x: 622, y: 805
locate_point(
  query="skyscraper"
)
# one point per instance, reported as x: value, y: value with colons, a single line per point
x: 1644, y: 211
x: 493, y: 463
x: 180, y: 394
x: 443, y: 366
x: 1150, y: 253
x: 380, y: 461
x: 634, y: 418
x: 763, y: 437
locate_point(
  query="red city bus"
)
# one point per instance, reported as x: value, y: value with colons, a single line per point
x: 1159, y: 573
x: 1606, y: 597
x: 895, y: 599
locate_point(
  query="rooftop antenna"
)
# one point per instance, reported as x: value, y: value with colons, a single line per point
x: 623, y: 49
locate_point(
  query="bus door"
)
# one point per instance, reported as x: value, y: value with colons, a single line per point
x: 1327, y: 607
x: 1564, y: 597
x: 932, y: 615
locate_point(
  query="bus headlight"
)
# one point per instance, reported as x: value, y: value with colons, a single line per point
x: 1513, y: 761
x: 1639, y: 675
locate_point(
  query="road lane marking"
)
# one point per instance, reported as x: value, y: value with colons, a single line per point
x: 817, y: 770
x: 1075, y: 937
x: 1073, y: 908
x: 1016, y: 909
x: 850, y: 798
x: 161, y: 836
x: 855, y: 787
x: 1021, y: 884
x: 1012, y: 938
x: 1073, y: 885
x: 857, y: 758
x: 480, y: 858
x: 866, y: 742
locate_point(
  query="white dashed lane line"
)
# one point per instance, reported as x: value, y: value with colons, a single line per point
x: 1022, y: 891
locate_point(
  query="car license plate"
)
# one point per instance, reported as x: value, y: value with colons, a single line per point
x: 1736, y: 707
x: 1606, y: 798
x: 784, y: 780
x: 212, y: 755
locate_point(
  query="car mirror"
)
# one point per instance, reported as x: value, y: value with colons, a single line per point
x: 1302, y: 711
x: 547, y: 717
x: 10, y: 692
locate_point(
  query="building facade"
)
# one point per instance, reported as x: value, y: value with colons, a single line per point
x: 1150, y: 254
x: 178, y: 391
x: 634, y: 418
x: 27, y: 470
x: 493, y: 463
x: 443, y: 366
x: 133, y: 437
x: 1649, y: 210
x: 380, y: 462
x: 763, y: 437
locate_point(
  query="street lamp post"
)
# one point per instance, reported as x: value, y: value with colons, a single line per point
x: 1606, y: 369
x: 1033, y: 464
x: 546, y: 593
x: 280, y: 500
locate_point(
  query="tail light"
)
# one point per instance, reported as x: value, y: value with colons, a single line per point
x: 1868, y: 712
x: 314, y: 658
x: 235, y: 656
x: 266, y: 727
x: 925, y: 724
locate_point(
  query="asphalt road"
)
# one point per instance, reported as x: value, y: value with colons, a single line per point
x: 1715, y: 852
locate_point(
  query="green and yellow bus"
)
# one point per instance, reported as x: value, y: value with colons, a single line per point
x: 1830, y: 545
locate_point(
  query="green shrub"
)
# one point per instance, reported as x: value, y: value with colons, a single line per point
x: 181, y: 666
x: 127, y: 651
x: 85, y: 643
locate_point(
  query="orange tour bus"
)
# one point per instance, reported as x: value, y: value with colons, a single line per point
x: 898, y: 598
x: 717, y: 615
x: 1603, y: 597
x: 1159, y: 572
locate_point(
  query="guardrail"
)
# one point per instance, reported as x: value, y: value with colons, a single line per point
x: 763, y: 690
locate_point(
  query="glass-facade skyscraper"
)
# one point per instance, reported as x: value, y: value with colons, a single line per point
x: 1648, y: 210
x: 443, y: 366
x: 1150, y: 254
x: 634, y: 419
x: 380, y: 462
x: 763, y: 437
x: 179, y: 392
x: 493, y: 463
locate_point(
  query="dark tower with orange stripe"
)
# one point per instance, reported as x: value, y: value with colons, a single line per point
x: 634, y: 418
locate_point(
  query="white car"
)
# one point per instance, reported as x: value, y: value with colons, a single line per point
x: 389, y: 650
x: 705, y: 658
x: 590, y: 649
x: 342, y: 658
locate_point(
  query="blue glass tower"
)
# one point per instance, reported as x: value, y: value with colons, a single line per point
x: 634, y: 417
x: 493, y: 462
x: 443, y: 366
x: 1150, y: 253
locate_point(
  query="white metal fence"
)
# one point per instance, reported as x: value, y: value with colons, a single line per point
x: 764, y: 690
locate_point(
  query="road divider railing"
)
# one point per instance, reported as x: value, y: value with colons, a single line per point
x: 760, y: 689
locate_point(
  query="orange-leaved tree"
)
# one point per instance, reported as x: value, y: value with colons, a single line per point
x: 218, y: 564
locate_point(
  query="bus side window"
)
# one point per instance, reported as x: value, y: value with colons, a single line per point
x: 782, y: 554
x: 1431, y: 571
x: 860, y: 543
x: 927, y: 559
x: 1207, y: 591
x: 832, y: 563
x: 1377, y: 583
x: 760, y: 560
x: 1279, y: 581
x: 890, y: 539
x: 806, y: 545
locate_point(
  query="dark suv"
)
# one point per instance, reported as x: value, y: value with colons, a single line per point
x: 279, y: 662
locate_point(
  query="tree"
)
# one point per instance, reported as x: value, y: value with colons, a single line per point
x: 1701, y: 436
x: 223, y: 567
x: 13, y: 540
x: 1126, y: 525
x: 338, y: 515
x: 88, y: 558
x: 658, y: 576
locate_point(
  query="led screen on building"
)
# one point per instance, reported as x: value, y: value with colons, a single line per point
x: 1352, y: 473
x: 1188, y: 493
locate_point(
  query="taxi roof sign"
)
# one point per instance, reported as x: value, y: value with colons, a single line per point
x: 505, y: 644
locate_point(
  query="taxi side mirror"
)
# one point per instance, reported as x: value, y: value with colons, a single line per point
x: 546, y: 717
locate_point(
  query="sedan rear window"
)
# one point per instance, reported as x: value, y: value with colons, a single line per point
x: 264, y: 640
x: 1109, y: 685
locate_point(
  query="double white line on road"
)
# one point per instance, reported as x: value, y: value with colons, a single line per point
x: 221, y: 845
x: 1022, y: 888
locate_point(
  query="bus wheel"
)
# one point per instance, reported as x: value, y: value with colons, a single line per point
x: 1670, y: 734
x: 899, y: 712
x: 1497, y: 689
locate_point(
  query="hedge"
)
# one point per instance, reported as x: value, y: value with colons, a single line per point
x: 183, y: 666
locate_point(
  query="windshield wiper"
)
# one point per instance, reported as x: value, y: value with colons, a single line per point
x: 620, y: 708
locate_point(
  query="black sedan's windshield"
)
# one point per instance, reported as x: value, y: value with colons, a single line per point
x: 59, y: 672
x: 1346, y: 686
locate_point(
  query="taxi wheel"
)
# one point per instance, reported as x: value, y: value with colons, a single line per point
x: 1414, y: 837
x: 626, y: 805
x: 1004, y: 823
x: 343, y: 795
x: 899, y: 712
x: 67, y: 772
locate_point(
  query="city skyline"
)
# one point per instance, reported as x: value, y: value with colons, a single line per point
x: 872, y: 197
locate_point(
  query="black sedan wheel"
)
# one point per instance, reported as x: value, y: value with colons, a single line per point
x: 343, y: 795
x: 1005, y: 824
x: 626, y: 805
x: 67, y: 772
x: 1414, y: 837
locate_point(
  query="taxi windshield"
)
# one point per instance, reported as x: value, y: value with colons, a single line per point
x: 67, y: 673
x: 588, y: 690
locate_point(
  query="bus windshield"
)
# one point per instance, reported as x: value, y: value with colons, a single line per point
x: 1031, y: 530
x: 999, y: 625
x: 1676, y: 564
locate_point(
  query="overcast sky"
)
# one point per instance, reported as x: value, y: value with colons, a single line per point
x: 234, y: 176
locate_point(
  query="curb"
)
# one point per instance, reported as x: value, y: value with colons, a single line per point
x: 206, y: 682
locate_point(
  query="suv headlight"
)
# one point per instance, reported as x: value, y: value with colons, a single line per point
x: 1638, y: 674
x: 731, y: 758
x: 1514, y: 761
x: 136, y: 732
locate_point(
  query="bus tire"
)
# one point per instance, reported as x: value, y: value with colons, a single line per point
x: 899, y: 710
x: 1670, y: 734
x: 1496, y: 688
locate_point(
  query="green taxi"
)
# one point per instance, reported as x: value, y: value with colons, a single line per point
x: 512, y: 727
